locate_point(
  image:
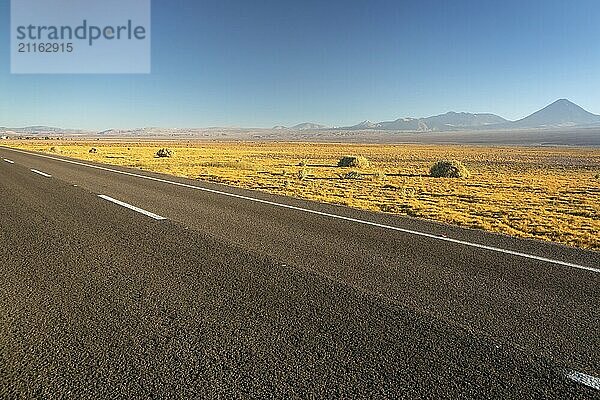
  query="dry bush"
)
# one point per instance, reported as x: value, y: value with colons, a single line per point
x: 351, y: 175
x: 164, y: 153
x: 302, y: 174
x: 54, y: 149
x: 379, y: 176
x: 449, y: 169
x: 353, y: 162
x: 93, y: 150
x: 237, y: 164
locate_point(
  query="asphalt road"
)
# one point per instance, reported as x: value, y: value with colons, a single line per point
x: 240, y: 294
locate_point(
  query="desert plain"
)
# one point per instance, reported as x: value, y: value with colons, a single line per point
x: 546, y: 193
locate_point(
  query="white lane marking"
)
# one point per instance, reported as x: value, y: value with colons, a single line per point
x: 9, y: 161
x: 584, y: 379
x: 35, y: 171
x: 340, y: 217
x: 134, y: 208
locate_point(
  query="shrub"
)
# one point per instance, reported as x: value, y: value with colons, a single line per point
x: 353, y: 162
x: 303, y: 163
x: 238, y: 164
x: 351, y: 175
x: 302, y: 174
x: 54, y: 149
x: 406, y: 191
x: 597, y: 176
x: 449, y: 169
x: 93, y: 150
x: 163, y: 153
x: 379, y: 175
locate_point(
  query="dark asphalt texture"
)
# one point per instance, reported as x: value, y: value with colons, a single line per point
x: 234, y: 299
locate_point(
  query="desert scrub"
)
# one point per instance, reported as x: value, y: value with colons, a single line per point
x: 353, y: 162
x: 93, y: 150
x: 54, y: 149
x: 379, y: 176
x: 164, y: 153
x: 351, y: 175
x: 406, y: 191
x: 302, y: 174
x: 237, y: 164
x: 449, y: 169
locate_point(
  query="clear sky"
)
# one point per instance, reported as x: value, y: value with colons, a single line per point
x: 259, y: 63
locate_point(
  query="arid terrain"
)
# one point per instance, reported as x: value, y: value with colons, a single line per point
x: 547, y: 193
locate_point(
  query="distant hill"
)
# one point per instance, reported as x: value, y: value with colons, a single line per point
x: 404, y: 124
x: 307, y: 125
x: 561, y: 113
x: 300, y: 127
x: 443, y: 122
x: 454, y: 120
x: 37, y: 130
x: 34, y: 129
x: 364, y: 125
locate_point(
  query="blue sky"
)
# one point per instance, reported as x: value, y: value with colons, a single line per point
x: 262, y: 63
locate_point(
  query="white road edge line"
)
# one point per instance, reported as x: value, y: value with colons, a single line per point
x: 584, y: 379
x: 9, y: 161
x: 340, y: 217
x: 134, y: 208
x: 35, y: 171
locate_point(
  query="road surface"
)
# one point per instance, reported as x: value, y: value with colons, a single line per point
x: 120, y: 283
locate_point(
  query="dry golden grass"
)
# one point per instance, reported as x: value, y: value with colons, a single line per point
x: 545, y: 193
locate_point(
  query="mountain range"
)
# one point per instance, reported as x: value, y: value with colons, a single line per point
x: 39, y: 130
x: 450, y: 120
x: 560, y: 114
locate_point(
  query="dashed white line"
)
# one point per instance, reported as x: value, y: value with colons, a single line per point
x: 340, y: 217
x: 35, y: 171
x: 9, y: 161
x: 584, y: 379
x: 134, y: 208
